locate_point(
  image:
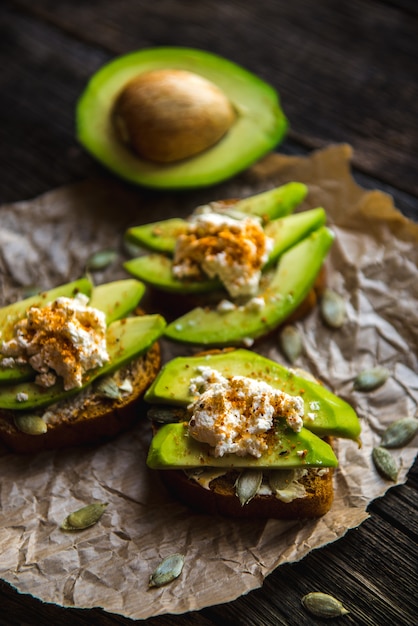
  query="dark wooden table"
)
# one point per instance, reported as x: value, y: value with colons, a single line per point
x: 346, y: 72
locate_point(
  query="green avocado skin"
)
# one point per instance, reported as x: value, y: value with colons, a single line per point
x: 126, y: 339
x: 291, y: 282
x: 334, y: 417
x: 173, y: 448
x: 259, y: 127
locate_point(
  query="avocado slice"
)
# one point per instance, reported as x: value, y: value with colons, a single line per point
x: 332, y: 415
x: 173, y: 448
x: 286, y: 232
x: 12, y: 313
x: 259, y: 125
x: 269, y: 205
x: 291, y: 282
x: 157, y: 270
x: 116, y: 299
x: 126, y: 340
x: 158, y: 236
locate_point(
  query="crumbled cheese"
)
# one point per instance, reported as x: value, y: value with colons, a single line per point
x: 216, y: 245
x: 7, y: 362
x: 64, y: 338
x: 323, y: 471
x: 314, y: 405
x: 21, y: 396
x: 255, y: 304
x: 226, y: 305
x: 235, y: 415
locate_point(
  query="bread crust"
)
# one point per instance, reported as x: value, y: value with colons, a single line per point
x: 98, y: 419
x: 220, y: 498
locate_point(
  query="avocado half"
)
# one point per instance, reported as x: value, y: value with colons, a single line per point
x: 259, y: 126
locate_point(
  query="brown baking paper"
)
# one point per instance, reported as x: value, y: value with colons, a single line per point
x: 373, y: 264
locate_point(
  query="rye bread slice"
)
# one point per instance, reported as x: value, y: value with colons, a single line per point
x: 90, y: 417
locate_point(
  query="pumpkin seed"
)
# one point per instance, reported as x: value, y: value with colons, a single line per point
x: 101, y: 259
x: 108, y: 387
x: 400, y: 432
x: 280, y: 479
x: 291, y: 343
x: 333, y: 308
x: 323, y: 605
x: 84, y: 517
x: 168, y: 570
x: 385, y: 463
x: 31, y: 290
x: 165, y: 415
x: 132, y: 249
x: 247, y: 485
x: 30, y: 424
x: 370, y: 379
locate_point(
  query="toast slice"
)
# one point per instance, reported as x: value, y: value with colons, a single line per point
x: 218, y: 496
x: 92, y: 416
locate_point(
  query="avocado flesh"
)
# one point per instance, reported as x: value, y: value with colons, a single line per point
x: 335, y: 417
x: 173, y: 448
x: 269, y: 205
x: 288, y: 231
x: 290, y: 284
x: 12, y: 313
x: 157, y: 269
x: 127, y: 339
x: 158, y: 236
x: 116, y: 299
x: 260, y: 122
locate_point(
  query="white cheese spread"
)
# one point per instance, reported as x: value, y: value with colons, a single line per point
x: 220, y: 246
x: 235, y: 415
x: 64, y: 338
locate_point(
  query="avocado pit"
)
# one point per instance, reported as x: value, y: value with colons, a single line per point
x: 168, y: 115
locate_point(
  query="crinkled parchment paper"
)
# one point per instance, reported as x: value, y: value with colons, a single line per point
x: 373, y: 263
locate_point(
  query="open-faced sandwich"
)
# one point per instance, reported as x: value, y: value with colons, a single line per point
x: 74, y: 361
x: 240, y: 267
x: 237, y: 434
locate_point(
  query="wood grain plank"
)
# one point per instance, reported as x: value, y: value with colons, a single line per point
x: 346, y: 72
x: 339, y: 78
